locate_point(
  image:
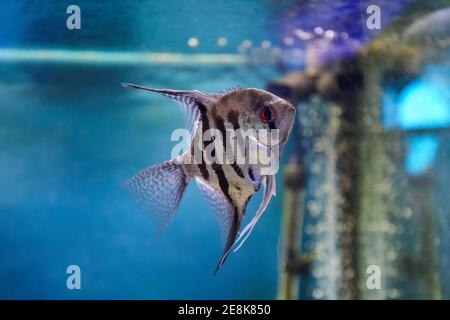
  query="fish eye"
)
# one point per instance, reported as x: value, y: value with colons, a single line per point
x: 266, y: 114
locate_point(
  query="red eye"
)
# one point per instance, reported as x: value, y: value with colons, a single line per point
x: 266, y: 114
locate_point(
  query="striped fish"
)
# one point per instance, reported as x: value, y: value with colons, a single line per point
x: 227, y: 185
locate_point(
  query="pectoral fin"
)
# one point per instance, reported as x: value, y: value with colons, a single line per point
x: 269, y: 190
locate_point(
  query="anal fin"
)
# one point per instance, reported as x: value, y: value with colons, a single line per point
x: 228, y: 214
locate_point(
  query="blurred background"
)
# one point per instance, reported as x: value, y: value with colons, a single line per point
x: 364, y: 181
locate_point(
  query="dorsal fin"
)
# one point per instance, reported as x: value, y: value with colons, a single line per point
x: 190, y: 101
x: 225, y: 92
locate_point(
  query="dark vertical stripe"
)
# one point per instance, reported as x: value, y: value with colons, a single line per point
x: 203, y: 170
x: 250, y: 174
x: 223, y: 182
x: 219, y: 124
x: 238, y: 170
x: 205, y: 126
x: 233, y: 118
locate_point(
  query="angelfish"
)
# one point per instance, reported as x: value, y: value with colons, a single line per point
x: 228, y: 187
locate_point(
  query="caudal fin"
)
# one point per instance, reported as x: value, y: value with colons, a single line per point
x: 158, y: 190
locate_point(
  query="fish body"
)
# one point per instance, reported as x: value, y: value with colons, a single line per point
x: 227, y: 181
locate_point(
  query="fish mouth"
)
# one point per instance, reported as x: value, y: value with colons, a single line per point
x: 265, y: 145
